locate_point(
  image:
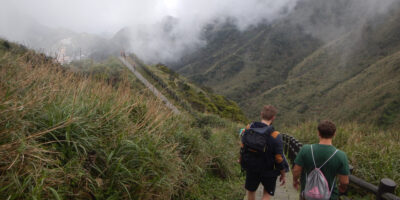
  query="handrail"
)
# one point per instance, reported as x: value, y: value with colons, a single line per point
x: 390, y: 196
x: 386, y: 187
x: 363, y: 184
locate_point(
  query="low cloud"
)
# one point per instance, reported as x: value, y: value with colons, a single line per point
x: 164, y: 30
x: 158, y: 30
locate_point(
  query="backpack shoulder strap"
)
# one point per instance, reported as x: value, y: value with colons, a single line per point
x: 250, y: 125
x: 270, y: 130
x: 329, y: 158
x: 312, y: 154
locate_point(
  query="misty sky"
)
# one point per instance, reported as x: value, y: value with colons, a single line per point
x: 106, y: 16
x: 20, y: 21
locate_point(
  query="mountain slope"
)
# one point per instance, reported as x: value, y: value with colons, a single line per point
x: 67, y: 135
x: 296, y: 65
x: 187, y: 95
x: 354, y: 77
x: 239, y: 63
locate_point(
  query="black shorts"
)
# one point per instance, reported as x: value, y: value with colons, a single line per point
x: 253, y: 179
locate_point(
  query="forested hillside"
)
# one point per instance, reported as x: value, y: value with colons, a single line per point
x: 321, y: 61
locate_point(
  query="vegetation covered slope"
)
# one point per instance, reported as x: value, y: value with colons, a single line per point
x: 110, y: 70
x: 350, y: 73
x: 243, y: 64
x: 354, y: 77
x: 189, y: 95
x: 68, y: 136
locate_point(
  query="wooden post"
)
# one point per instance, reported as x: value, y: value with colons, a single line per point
x: 385, y: 186
x: 292, y: 149
x: 285, y: 143
x: 290, y: 152
x: 296, y: 147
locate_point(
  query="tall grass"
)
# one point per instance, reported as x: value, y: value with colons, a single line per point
x: 67, y: 136
x: 373, y: 152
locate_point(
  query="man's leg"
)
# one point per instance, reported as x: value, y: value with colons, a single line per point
x: 251, y: 185
x: 269, y: 184
x: 251, y: 195
x: 266, y: 196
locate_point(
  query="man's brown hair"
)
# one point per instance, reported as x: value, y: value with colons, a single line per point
x: 326, y: 129
x: 268, y: 112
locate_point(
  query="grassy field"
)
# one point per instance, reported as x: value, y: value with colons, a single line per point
x: 69, y: 135
x: 373, y: 152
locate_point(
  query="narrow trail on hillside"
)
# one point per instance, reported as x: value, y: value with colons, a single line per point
x: 285, y: 192
x: 156, y: 92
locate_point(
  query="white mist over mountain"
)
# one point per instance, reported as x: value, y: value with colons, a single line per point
x: 159, y: 30
x: 155, y: 30
x: 179, y: 32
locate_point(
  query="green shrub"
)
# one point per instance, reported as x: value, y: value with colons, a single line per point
x: 209, y: 120
x: 389, y: 115
x: 6, y: 45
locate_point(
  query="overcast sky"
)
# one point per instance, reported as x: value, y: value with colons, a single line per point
x: 147, y: 37
x: 19, y: 20
x: 99, y: 16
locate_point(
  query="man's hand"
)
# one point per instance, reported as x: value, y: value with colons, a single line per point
x: 296, y: 171
x: 343, y: 182
x: 296, y: 184
x: 282, y: 178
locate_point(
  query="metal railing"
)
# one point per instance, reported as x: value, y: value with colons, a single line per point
x: 385, y: 189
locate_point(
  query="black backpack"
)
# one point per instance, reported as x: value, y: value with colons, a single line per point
x: 255, y: 145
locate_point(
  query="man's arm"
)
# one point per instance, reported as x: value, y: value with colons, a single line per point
x: 278, y: 151
x: 343, y: 183
x: 343, y: 174
x: 296, y: 171
x: 298, y: 168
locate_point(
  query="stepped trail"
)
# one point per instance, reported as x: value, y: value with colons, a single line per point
x: 150, y: 86
x: 285, y: 192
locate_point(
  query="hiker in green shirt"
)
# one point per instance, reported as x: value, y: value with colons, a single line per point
x: 334, y: 164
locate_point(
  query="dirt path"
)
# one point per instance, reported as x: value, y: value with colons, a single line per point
x: 286, y: 192
x: 150, y: 86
